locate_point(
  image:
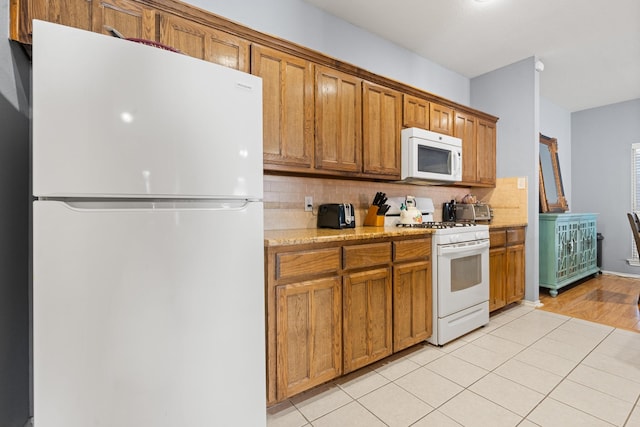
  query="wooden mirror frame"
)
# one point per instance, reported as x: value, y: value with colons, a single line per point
x: 546, y: 205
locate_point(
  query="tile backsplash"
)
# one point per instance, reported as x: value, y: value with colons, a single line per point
x: 284, y: 198
x: 508, y: 200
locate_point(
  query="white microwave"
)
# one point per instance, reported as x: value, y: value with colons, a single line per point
x: 428, y: 156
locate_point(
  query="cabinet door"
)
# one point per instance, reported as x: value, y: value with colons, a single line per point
x: 486, y: 154
x: 287, y: 88
x: 412, y: 304
x: 367, y: 317
x: 309, y: 334
x: 415, y: 112
x: 497, y: 278
x: 441, y: 118
x: 203, y: 42
x: 465, y: 129
x: 587, y: 244
x: 338, y: 121
x: 72, y: 13
x: 381, y: 126
x: 131, y: 19
x: 567, y: 238
x: 515, y: 273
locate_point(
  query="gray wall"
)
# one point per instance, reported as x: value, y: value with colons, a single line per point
x: 14, y: 223
x: 512, y: 93
x: 299, y: 22
x: 601, y: 172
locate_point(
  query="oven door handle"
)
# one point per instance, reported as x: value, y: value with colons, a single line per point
x: 462, y: 250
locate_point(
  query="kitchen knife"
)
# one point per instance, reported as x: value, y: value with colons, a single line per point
x: 383, y: 209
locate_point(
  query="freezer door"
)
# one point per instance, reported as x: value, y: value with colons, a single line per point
x: 148, y: 317
x: 120, y: 119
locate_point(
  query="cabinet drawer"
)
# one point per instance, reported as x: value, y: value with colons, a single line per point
x: 515, y: 235
x: 305, y: 263
x: 358, y: 256
x: 411, y: 249
x: 498, y: 238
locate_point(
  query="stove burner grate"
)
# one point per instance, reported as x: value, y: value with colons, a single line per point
x: 438, y: 225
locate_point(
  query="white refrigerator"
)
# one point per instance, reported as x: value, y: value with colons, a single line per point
x: 148, y: 265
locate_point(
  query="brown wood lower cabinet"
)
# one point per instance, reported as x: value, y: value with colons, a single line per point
x: 335, y: 307
x: 412, y: 315
x: 309, y: 334
x: 506, y: 266
x: 412, y: 297
x: 515, y: 265
x: 366, y: 317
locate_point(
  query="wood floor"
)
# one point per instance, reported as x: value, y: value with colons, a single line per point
x: 607, y: 299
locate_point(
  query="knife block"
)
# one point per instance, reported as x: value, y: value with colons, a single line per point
x: 373, y: 219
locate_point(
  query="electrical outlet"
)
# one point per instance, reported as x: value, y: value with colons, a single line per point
x: 308, y: 203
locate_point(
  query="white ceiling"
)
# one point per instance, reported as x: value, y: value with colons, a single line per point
x: 590, y: 48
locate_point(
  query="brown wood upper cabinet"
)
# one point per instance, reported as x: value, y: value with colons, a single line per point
x: 415, y: 112
x: 486, y: 153
x: 287, y: 86
x: 478, y: 149
x: 320, y: 116
x: 465, y: 128
x: 129, y: 18
x: 440, y: 118
x: 203, y: 42
x: 338, y: 119
x: 420, y: 113
x: 357, y: 125
x: 73, y: 13
x: 381, y: 124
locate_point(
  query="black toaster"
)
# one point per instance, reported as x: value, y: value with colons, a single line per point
x: 336, y: 215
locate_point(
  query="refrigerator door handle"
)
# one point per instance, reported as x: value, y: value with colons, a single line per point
x: 156, y: 205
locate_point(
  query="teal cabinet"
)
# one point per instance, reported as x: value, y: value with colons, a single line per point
x: 568, y: 249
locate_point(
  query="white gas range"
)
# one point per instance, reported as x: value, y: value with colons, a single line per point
x: 460, y: 272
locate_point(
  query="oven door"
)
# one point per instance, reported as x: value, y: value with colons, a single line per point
x: 462, y: 275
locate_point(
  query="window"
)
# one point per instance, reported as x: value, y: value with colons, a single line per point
x: 635, y: 194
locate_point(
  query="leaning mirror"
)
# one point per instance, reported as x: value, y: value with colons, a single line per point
x: 551, y: 188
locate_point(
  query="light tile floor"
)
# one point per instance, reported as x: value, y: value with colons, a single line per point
x: 526, y: 368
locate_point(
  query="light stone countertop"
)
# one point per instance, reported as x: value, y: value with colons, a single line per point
x: 501, y: 224
x: 326, y: 235
x: 301, y: 236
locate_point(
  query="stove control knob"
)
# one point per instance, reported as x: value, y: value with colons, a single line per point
x: 454, y: 238
x: 480, y: 235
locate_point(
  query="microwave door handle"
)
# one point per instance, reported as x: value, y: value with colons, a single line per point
x: 457, y: 166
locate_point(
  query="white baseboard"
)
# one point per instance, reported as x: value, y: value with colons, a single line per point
x: 534, y: 304
x: 615, y: 273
